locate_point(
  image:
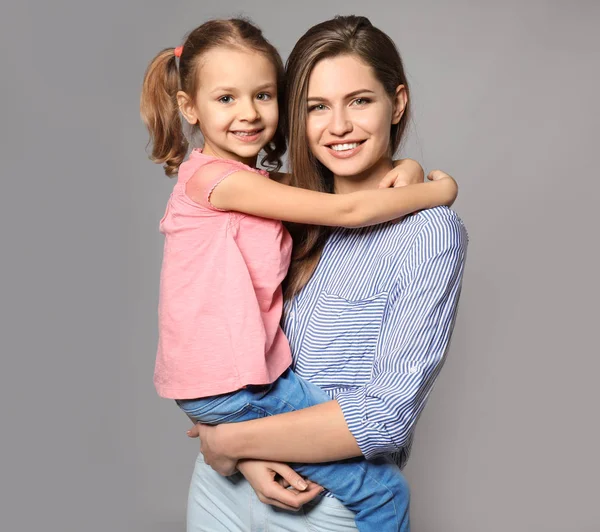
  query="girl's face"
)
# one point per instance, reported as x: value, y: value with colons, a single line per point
x: 349, y: 117
x: 236, y: 103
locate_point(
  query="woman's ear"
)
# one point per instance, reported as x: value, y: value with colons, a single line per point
x: 186, y: 106
x: 399, y: 103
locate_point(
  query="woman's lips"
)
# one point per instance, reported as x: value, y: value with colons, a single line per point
x: 345, y: 150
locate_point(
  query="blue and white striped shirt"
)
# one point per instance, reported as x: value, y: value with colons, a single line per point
x: 373, y: 324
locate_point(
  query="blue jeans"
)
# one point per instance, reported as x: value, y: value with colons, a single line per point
x: 375, y: 490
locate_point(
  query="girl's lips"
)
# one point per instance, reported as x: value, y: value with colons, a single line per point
x: 345, y: 154
x: 244, y: 137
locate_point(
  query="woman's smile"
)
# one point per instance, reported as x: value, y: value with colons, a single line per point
x: 345, y: 149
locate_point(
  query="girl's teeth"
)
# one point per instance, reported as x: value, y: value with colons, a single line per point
x: 246, y: 133
x: 343, y: 147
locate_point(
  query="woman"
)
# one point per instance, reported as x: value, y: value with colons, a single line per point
x: 370, y: 311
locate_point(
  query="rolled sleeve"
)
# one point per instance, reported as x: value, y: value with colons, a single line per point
x: 413, y: 341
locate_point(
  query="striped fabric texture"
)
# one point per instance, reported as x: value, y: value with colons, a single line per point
x: 373, y: 325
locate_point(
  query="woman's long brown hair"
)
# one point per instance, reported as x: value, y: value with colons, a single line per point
x: 343, y: 35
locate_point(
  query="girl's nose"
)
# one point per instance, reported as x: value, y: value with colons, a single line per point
x: 250, y: 112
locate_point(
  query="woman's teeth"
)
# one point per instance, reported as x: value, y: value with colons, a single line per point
x: 344, y: 147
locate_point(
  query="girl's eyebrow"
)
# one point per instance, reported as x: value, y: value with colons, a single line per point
x: 223, y: 89
x: 347, y: 96
x: 268, y: 85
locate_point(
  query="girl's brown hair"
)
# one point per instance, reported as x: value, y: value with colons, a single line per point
x: 164, y: 78
x: 343, y: 35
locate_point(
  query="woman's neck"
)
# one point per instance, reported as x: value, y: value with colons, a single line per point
x: 368, y: 179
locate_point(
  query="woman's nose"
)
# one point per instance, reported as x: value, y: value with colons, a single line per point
x: 339, y: 124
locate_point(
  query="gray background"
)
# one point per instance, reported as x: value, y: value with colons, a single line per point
x: 505, y: 97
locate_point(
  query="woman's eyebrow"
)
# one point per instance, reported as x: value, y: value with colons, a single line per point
x: 347, y: 96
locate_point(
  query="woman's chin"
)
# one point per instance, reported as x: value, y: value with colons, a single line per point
x: 349, y: 168
x: 343, y: 167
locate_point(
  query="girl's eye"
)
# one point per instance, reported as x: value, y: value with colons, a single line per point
x: 361, y: 101
x: 225, y: 99
x: 317, y: 107
x: 263, y: 96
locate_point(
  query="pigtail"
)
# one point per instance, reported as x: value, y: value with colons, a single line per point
x: 274, y: 151
x: 160, y: 112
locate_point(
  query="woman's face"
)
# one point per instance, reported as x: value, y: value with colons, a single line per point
x: 349, y: 116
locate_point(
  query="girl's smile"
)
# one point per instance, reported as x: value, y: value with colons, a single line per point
x: 251, y: 135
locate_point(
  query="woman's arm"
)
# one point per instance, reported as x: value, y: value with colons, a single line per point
x: 251, y: 193
x: 312, y: 435
x: 380, y: 416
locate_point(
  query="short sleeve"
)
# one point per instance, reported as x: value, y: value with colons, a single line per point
x: 207, y: 178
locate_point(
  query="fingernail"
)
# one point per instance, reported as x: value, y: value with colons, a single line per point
x: 303, y: 485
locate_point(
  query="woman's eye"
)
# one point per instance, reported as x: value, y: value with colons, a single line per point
x: 263, y: 96
x: 317, y: 107
x: 361, y: 101
x: 225, y: 99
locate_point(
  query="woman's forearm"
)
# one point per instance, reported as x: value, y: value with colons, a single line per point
x: 312, y: 435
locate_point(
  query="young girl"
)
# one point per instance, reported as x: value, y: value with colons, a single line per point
x: 222, y: 354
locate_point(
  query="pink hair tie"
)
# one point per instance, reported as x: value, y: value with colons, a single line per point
x: 178, y: 51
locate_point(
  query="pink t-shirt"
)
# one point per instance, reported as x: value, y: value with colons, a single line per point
x: 220, y: 300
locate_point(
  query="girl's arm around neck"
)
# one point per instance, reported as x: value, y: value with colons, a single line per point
x: 254, y: 194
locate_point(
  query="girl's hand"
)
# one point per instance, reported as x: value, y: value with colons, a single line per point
x: 440, y: 175
x: 436, y: 175
x: 405, y: 172
x: 270, y: 480
x: 209, y: 447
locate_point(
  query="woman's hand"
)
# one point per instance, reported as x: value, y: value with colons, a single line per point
x: 405, y: 172
x: 209, y: 447
x: 270, y: 481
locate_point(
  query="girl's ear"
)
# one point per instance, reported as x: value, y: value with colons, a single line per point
x: 399, y: 102
x: 186, y: 106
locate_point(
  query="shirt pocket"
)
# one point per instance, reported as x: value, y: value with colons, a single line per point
x: 340, y: 340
